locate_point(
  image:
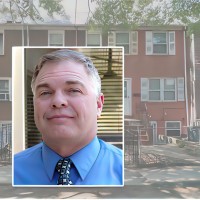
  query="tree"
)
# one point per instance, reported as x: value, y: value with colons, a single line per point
x: 185, y: 12
x: 29, y: 10
x: 146, y: 12
x: 117, y: 12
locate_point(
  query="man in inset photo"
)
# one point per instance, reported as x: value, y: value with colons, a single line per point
x: 68, y: 101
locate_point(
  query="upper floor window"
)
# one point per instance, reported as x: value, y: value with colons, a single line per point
x: 1, y: 44
x: 129, y: 40
x: 122, y: 39
x: 56, y: 38
x: 5, y: 89
x: 160, y: 43
x: 162, y: 89
x: 93, y: 39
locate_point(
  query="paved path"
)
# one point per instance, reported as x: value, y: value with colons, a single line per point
x: 167, y: 182
x: 126, y: 192
x: 171, y: 182
x: 5, y: 175
x: 166, y: 176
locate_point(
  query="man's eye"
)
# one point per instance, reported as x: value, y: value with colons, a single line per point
x: 45, y: 93
x: 75, y: 91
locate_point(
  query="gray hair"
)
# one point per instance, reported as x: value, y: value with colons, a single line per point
x: 66, y: 54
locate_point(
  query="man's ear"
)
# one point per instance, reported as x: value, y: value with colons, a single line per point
x: 100, y: 102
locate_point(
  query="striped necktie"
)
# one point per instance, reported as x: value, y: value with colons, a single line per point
x: 63, y: 167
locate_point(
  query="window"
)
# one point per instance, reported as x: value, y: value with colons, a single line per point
x: 93, y: 39
x: 122, y: 39
x: 129, y: 40
x: 1, y: 44
x: 162, y: 89
x: 160, y: 43
x: 56, y: 38
x: 5, y: 89
x: 173, y: 128
x: 154, y: 89
x: 169, y: 89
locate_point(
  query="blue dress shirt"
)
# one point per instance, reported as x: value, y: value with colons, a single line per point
x: 98, y: 163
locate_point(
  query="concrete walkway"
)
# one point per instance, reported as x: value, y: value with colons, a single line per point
x: 167, y: 176
x: 5, y: 174
x: 171, y: 182
x: 182, y: 181
x: 145, y: 176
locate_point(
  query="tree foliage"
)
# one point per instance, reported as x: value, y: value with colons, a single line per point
x: 29, y: 10
x: 117, y: 12
x: 146, y: 12
x: 186, y: 12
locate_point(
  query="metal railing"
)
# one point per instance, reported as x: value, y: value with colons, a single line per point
x: 5, y: 144
x: 132, y: 143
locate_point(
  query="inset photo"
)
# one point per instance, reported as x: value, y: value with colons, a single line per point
x: 68, y: 116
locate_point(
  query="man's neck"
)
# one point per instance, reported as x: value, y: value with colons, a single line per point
x: 66, y: 148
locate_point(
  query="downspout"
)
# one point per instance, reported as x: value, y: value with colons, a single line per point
x: 27, y: 33
x: 186, y: 92
x: 193, y: 80
x: 23, y: 33
x: 76, y: 34
x: 75, y: 22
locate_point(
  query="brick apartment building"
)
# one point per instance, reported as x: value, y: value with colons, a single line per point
x: 156, y: 82
x: 157, y: 70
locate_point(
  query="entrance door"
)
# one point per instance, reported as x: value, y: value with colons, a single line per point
x: 127, y: 96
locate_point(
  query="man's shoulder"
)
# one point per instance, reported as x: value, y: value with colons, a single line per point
x: 28, y: 152
x: 110, y: 148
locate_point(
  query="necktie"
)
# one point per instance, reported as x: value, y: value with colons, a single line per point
x: 63, y: 167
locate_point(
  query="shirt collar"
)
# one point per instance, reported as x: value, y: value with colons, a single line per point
x: 50, y: 159
x: 84, y: 159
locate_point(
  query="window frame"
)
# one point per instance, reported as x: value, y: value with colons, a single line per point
x: 170, y: 90
x: 122, y: 44
x: 94, y: 33
x: 133, y: 45
x: 9, y: 89
x: 153, y: 43
x: 155, y: 90
x: 59, y: 32
x: 167, y: 129
x: 145, y: 89
x: 149, y: 38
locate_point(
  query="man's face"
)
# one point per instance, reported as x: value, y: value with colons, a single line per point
x: 66, y: 107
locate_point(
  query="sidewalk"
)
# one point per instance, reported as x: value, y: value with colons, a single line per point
x: 178, y: 182
x: 170, y: 181
x: 5, y: 174
x: 144, y: 176
x: 184, y: 175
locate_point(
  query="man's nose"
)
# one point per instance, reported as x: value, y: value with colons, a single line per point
x: 59, y: 100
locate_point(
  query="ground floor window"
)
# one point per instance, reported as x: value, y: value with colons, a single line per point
x: 173, y: 128
x: 5, y: 89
